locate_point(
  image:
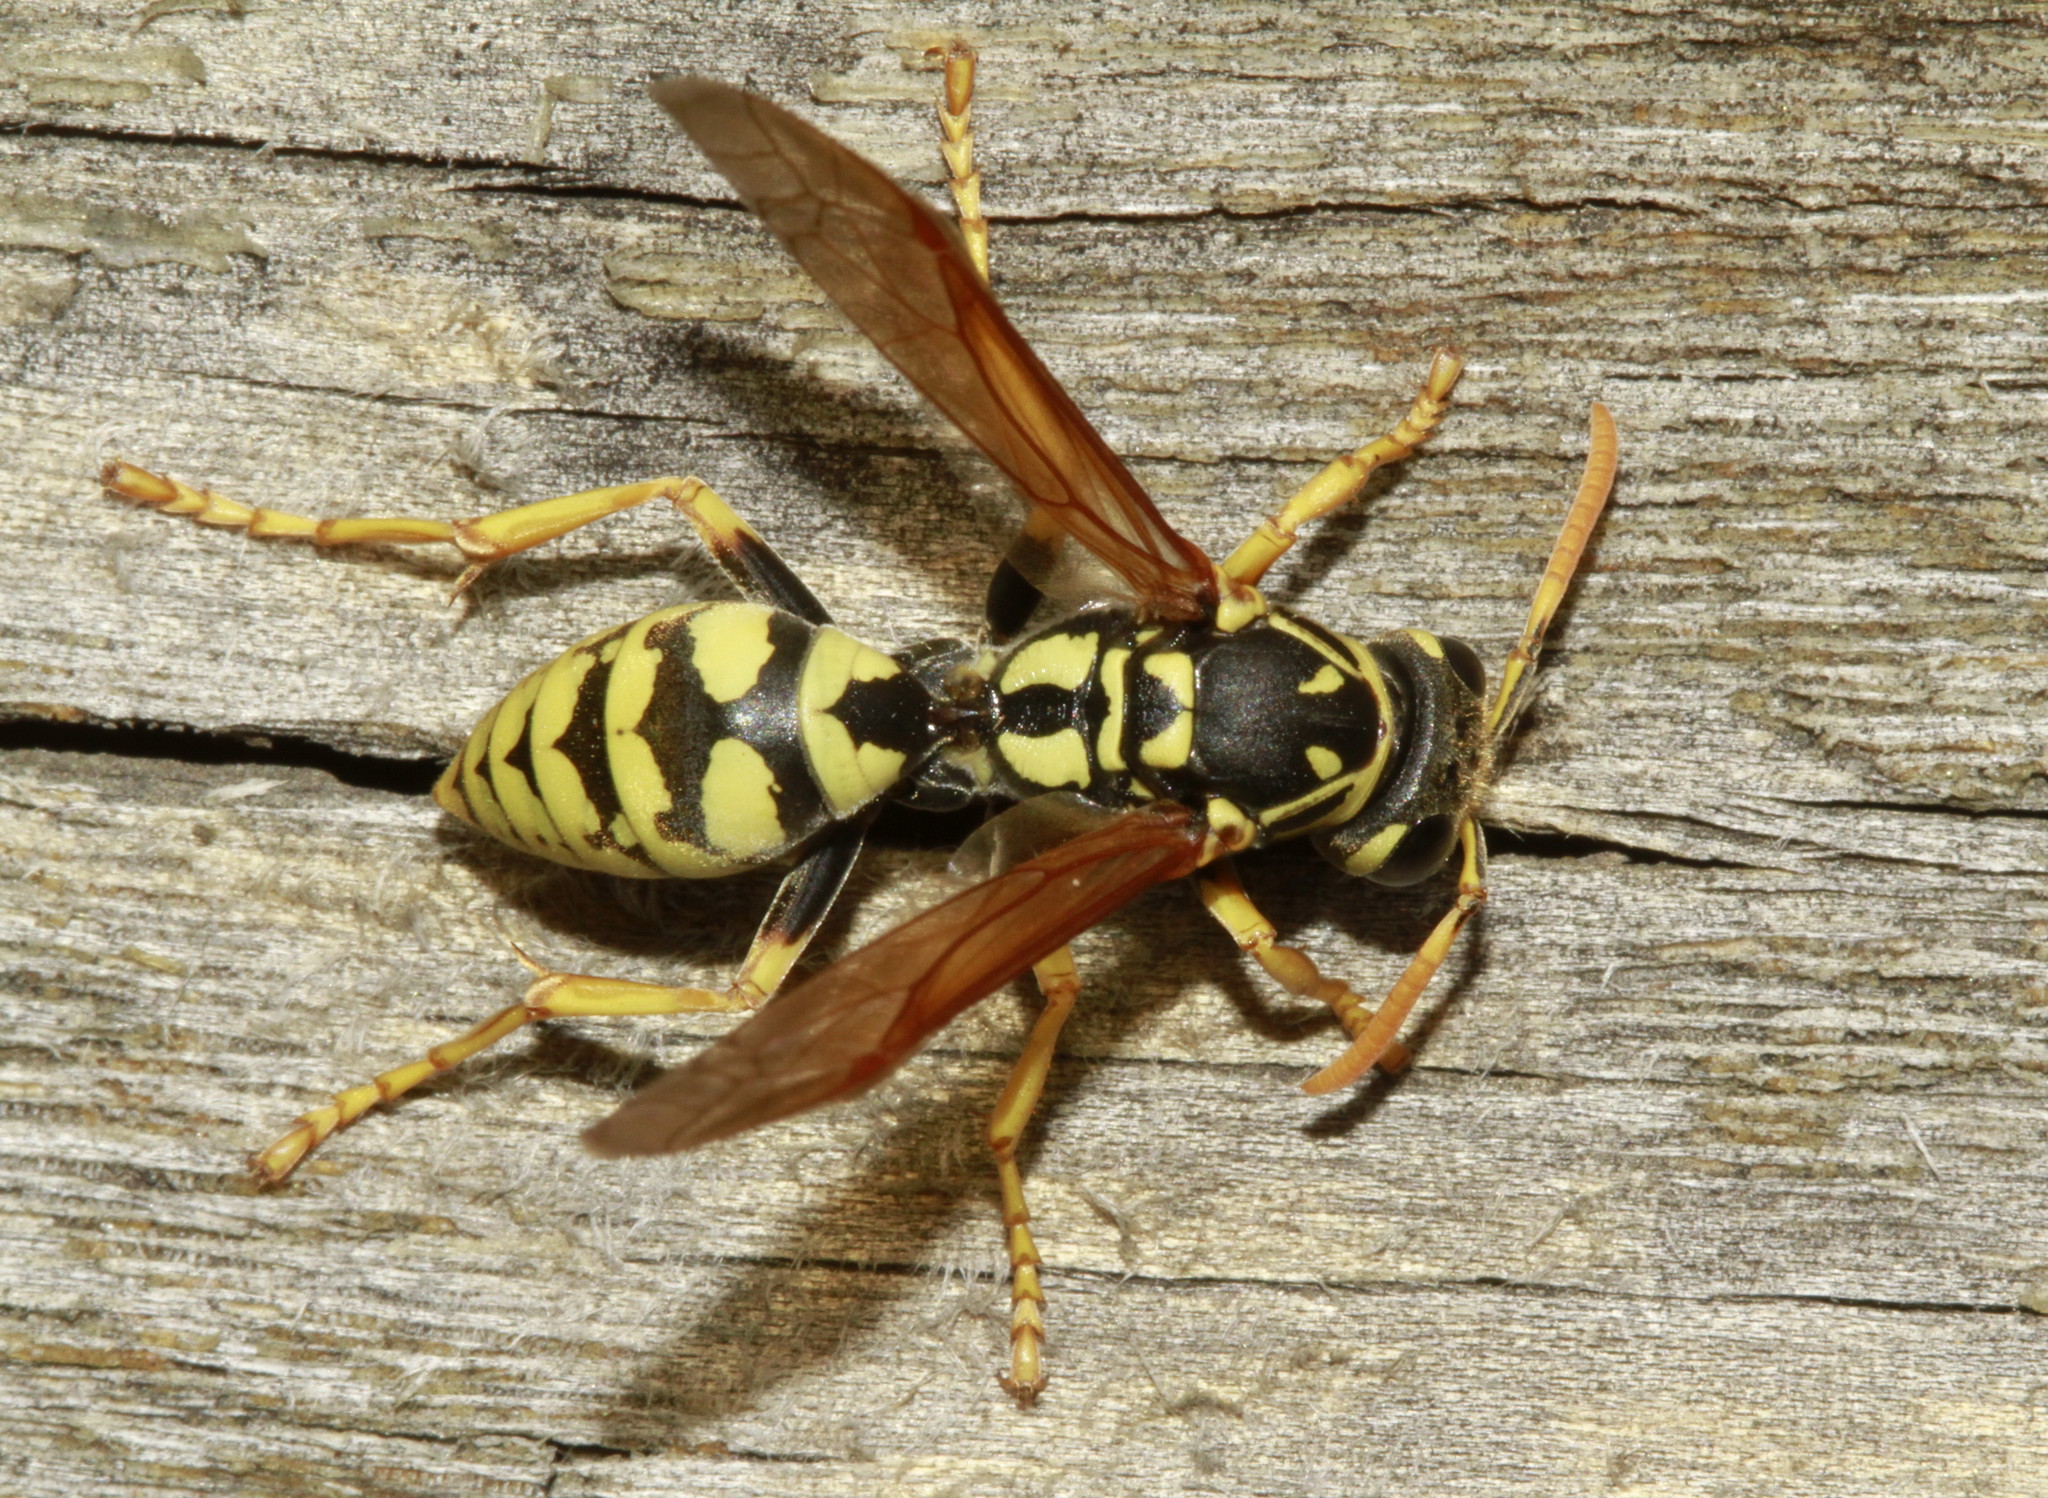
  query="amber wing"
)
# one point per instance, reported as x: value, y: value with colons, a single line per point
x: 840, y: 1032
x: 899, y: 271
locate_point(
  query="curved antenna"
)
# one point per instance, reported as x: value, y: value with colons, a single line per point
x: 1594, y: 487
x: 1373, y: 1035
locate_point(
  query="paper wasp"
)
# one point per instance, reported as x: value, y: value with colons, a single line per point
x: 1145, y: 737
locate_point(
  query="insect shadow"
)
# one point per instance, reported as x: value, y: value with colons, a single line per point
x: 927, y: 1162
x: 834, y: 1283
x: 895, y: 491
x: 794, y: 1308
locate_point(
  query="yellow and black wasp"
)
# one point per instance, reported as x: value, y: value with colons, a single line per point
x: 1144, y: 737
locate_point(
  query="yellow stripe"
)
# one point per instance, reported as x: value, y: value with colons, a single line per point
x: 1335, y: 793
x: 1169, y: 748
x: 1174, y: 670
x: 1349, y: 656
x: 1056, y: 759
x: 560, y: 778
x: 448, y: 792
x: 741, y: 819
x: 730, y: 648
x: 1377, y: 849
x: 1109, y: 743
x: 476, y: 790
x: 1055, y: 660
x: 523, y: 809
x: 849, y: 775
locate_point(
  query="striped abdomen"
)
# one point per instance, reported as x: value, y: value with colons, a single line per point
x: 700, y: 740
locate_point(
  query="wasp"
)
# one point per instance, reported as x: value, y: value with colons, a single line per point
x: 1144, y: 737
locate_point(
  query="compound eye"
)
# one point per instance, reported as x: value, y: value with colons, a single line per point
x: 1464, y: 660
x: 1425, y: 849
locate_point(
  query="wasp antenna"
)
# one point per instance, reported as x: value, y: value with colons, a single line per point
x: 1601, y: 459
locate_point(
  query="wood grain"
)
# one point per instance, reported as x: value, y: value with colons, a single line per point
x: 1719, y: 1171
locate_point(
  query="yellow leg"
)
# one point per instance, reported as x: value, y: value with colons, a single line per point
x: 1225, y: 898
x: 956, y: 143
x: 1375, y: 1039
x: 800, y: 905
x: 551, y: 996
x: 1061, y: 986
x: 1012, y: 596
x: 1340, y: 482
x: 483, y: 539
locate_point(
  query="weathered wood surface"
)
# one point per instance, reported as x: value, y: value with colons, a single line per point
x: 1720, y: 1170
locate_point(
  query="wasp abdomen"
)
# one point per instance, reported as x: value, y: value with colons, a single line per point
x: 700, y: 740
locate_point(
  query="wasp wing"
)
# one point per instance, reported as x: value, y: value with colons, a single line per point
x: 843, y: 1030
x: 899, y: 271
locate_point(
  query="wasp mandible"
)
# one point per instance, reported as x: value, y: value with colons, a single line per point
x: 1144, y: 737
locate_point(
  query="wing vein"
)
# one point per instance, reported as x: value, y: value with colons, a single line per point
x: 898, y: 270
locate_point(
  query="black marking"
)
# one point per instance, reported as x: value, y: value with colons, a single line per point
x: 938, y: 785
x: 519, y: 758
x: 892, y: 712
x: 1437, y: 734
x: 1465, y: 661
x: 1254, y: 724
x: 583, y: 743
x: 1151, y: 707
x: 760, y: 573
x: 807, y: 895
x: 684, y: 722
x: 1043, y: 708
x: 1012, y: 598
x: 1338, y: 645
x: 1306, y: 816
x: 1425, y: 848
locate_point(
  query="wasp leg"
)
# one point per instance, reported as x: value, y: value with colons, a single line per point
x: 956, y: 144
x: 1374, y: 1040
x: 738, y: 549
x: 485, y: 539
x: 551, y: 996
x: 1341, y: 480
x: 1224, y: 896
x: 1011, y: 594
x: 1061, y: 985
x: 793, y: 918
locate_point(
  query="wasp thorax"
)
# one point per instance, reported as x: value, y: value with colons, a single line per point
x: 1282, y: 721
x: 1409, y: 829
x: 1291, y: 724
